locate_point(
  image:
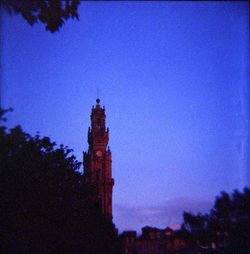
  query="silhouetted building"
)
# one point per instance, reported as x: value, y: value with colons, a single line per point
x: 152, y: 241
x: 167, y: 241
x: 128, y: 239
x: 97, y: 161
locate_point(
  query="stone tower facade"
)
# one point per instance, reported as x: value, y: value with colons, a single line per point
x: 97, y: 161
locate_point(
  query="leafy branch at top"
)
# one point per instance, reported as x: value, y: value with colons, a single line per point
x: 53, y: 13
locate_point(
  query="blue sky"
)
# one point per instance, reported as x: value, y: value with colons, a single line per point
x: 174, y: 80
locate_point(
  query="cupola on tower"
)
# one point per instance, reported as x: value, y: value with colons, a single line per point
x: 97, y: 161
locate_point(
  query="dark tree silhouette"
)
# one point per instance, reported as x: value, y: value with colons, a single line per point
x: 226, y: 229
x: 44, y: 204
x: 53, y: 13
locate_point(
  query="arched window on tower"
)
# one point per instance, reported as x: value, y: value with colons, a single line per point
x: 98, y: 174
x: 98, y: 204
x: 98, y: 123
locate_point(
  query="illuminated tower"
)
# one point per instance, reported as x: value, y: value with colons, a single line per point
x: 97, y: 161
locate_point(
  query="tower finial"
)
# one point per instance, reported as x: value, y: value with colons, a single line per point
x: 97, y: 101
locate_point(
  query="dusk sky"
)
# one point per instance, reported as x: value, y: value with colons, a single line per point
x: 174, y: 79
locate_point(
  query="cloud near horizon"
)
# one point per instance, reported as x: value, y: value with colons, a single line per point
x: 169, y: 214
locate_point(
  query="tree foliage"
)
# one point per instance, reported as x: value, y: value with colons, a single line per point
x: 45, y: 206
x: 52, y: 13
x: 226, y: 229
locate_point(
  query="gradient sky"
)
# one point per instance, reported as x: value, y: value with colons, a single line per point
x: 174, y: 79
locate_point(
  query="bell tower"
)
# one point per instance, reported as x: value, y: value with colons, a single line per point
x: 97, y: 161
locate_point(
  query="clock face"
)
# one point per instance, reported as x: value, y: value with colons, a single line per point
x: 99, y: 153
